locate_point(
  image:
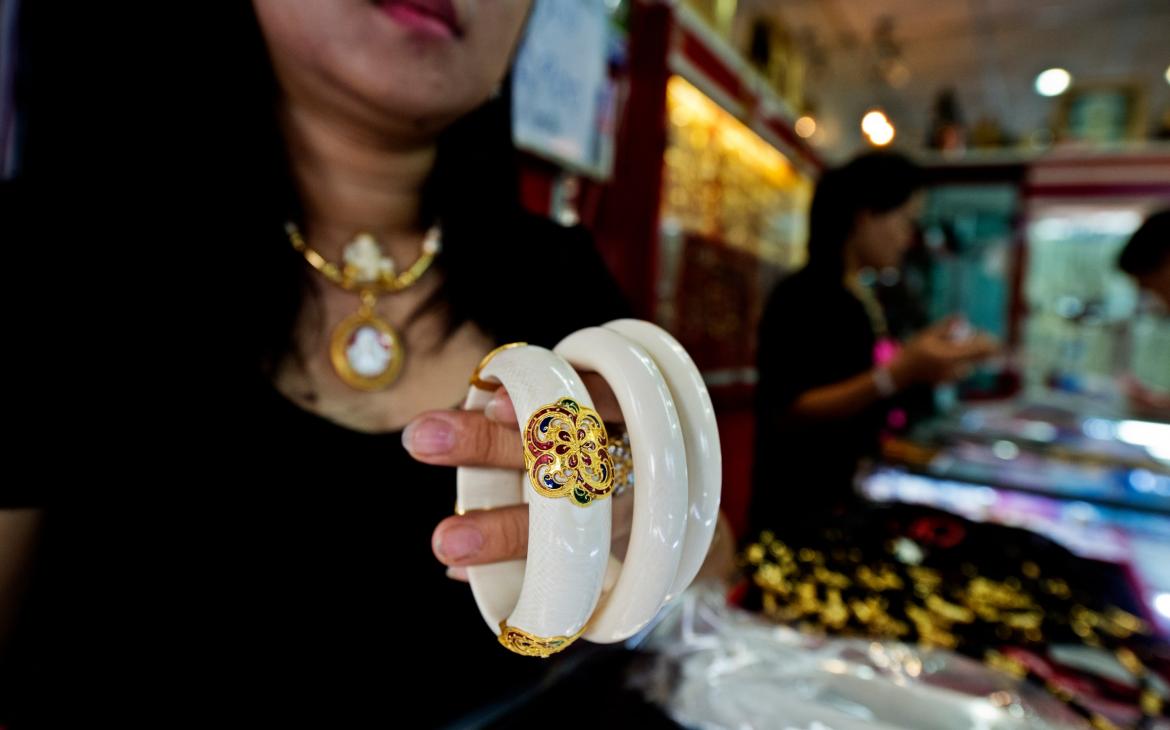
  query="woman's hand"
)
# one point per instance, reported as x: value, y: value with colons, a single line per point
x: 492, y: 438
x: 935, y: 356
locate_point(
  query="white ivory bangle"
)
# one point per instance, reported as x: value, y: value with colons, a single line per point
x: 701, y: 435
x: 540, y: 605
x: 660, y: 488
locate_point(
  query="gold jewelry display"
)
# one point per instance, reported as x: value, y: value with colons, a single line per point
x: 367, y: 353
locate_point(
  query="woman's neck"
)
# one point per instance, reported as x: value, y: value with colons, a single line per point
x: 352, y: 179
x: 852, y: 265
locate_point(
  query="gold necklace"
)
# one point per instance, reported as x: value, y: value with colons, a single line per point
x: 873, y: 308
x: 366, y: 352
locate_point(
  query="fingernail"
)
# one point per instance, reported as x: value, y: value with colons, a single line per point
x: 428, y: 437
x: 492, y: 409
x: 459, y: 543
x: 457, y: 573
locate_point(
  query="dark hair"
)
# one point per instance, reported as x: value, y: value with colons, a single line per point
x: 473, y: 190
x: 876, y: 181
x: 1149, y: 248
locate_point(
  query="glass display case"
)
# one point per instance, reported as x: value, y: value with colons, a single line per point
x: 1084, y: 328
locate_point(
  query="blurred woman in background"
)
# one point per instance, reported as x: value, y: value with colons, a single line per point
x: 829, y: 369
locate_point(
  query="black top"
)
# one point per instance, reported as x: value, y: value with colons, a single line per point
x: 290, y: 582
x: 814, y: 332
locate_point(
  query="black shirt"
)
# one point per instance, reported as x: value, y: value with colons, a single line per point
x: 814, y: 332
x: 276, y: 570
